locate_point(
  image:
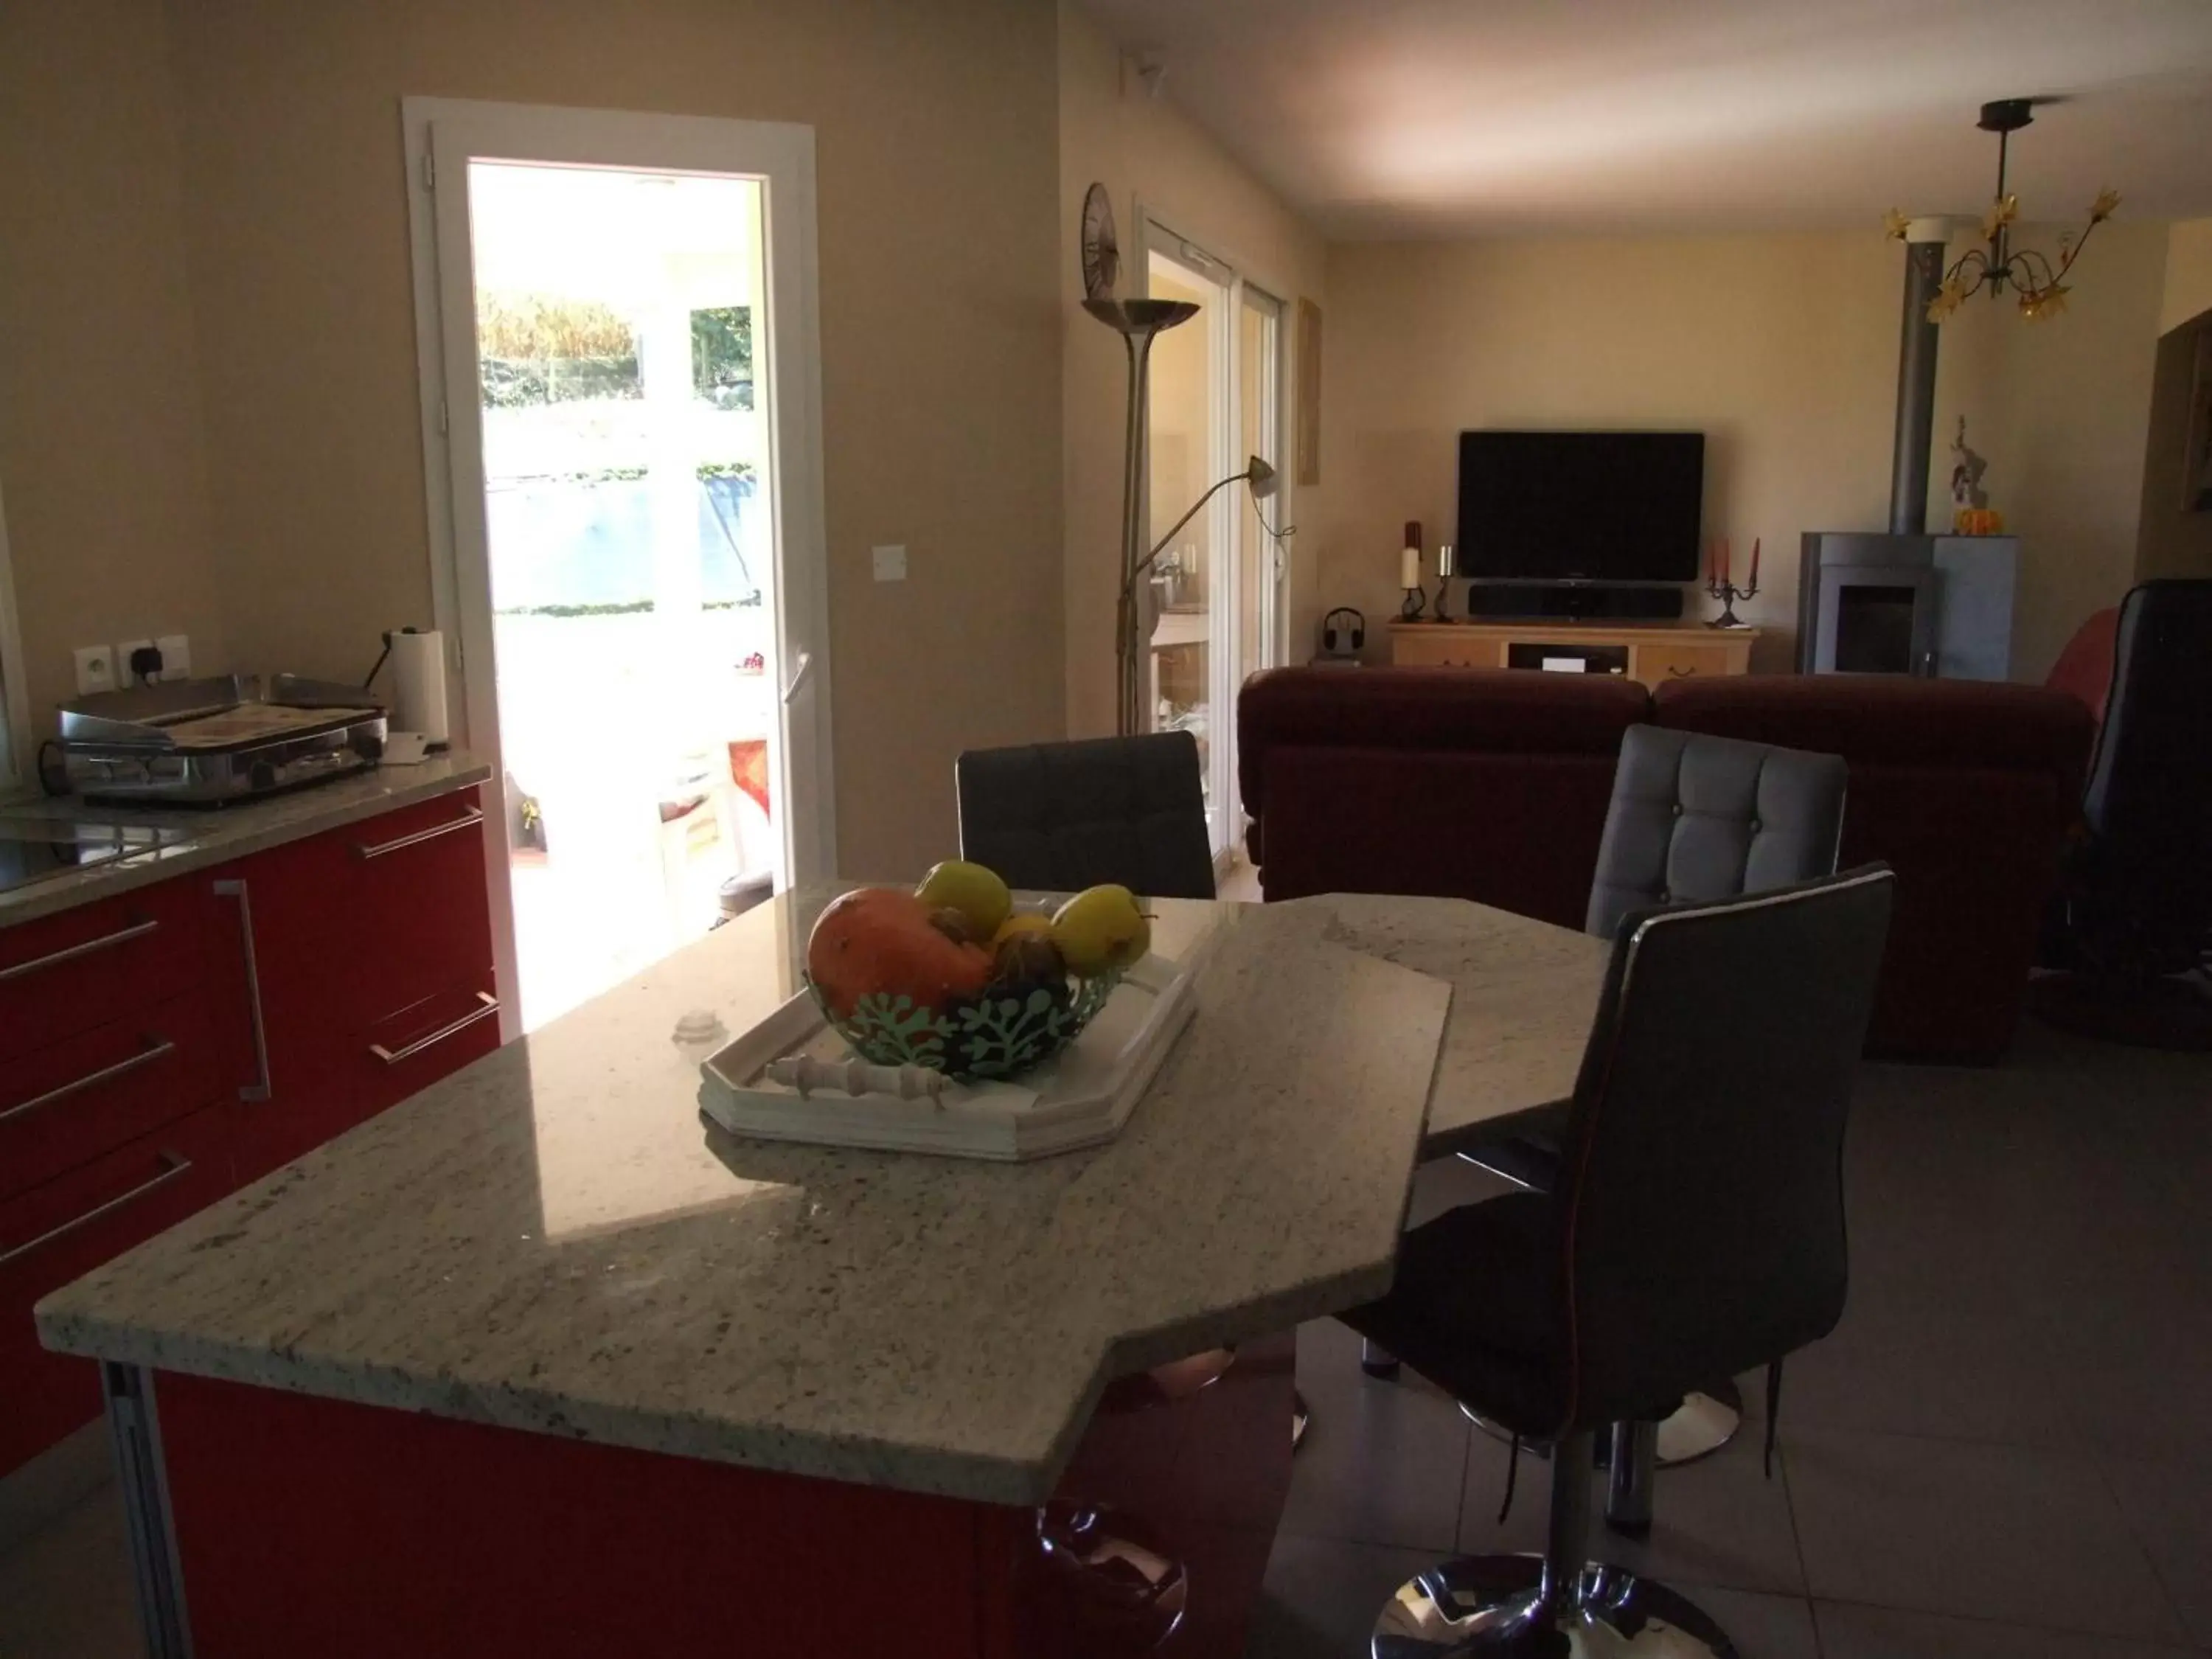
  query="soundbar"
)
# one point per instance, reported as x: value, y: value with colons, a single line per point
x: 1574, y: 601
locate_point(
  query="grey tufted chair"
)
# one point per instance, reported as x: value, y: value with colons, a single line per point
x: 1061, y: 817
x: 1696, y: 818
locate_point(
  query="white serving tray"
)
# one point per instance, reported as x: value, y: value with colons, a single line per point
x: 792, y: 1077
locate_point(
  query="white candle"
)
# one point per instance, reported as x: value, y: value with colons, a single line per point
x: 1409, y: 568
x: 1444, y: 561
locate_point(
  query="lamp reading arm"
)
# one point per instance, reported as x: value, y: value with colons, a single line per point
x: 1259, y: 475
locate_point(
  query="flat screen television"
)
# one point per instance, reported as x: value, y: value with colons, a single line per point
x: 1580, y: 506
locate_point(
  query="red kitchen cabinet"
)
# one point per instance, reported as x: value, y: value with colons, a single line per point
x: 162, y: 1048
x: 64, y: 1228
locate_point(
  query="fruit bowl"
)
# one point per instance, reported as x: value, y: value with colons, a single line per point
x: 1004, y: 1032
x: 955, y: 978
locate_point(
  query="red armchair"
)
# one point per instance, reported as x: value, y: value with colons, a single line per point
x: 1492, y: 786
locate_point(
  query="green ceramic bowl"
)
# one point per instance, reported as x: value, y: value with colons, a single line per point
x: 1004, y: 1034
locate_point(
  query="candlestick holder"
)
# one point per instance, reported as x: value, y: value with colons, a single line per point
x: 1728, y: 593
x: 1416, y: 602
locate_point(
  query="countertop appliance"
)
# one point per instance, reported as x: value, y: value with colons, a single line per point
x: 206, y: 741
x: 33, y: 849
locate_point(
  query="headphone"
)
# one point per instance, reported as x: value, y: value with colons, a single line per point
x: 1333, y: 633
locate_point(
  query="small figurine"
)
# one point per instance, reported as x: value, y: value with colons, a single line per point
x: 1970, y: 513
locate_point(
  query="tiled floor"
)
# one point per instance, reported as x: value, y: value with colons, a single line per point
x: 2004, y: 1453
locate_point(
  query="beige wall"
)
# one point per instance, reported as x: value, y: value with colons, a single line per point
x: 101, y: 464
x: 2188, y: 290
x: 1148, y: 151
x: 1783, y: 350
x: 935, y: 124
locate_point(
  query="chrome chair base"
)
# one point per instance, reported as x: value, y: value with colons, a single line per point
x: 1699, y: 1427
x: 1492, y: 1606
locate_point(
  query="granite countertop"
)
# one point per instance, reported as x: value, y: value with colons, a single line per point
x: 554, y: 1240
x: 217, y: 835
x: 1523, y: 995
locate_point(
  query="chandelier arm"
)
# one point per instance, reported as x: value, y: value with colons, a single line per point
x: 1972, y: 256
x: 2073, y: 250
x: 2028, y: 259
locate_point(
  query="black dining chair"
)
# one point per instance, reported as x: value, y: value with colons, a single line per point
x: 1057, y: 817
x: 1692, y: 818
x: 1696, y: 1230
x: 2133, y: 932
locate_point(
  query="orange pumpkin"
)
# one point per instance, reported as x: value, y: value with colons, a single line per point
x: 880, y: 939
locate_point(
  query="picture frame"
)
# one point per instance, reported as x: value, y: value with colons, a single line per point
x: 1308, y: 371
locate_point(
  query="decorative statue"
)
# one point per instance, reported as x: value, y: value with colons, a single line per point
x: 1971, y: 513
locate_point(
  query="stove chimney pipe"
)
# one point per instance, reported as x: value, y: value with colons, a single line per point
x: 1924, y: 243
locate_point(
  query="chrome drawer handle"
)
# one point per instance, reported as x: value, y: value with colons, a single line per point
x: 488, y: 1005
x: 146, y: 1056
x: 175, y: 1166
x: 468, y: 820
x: 55, y: 959
x: 259, y: 1089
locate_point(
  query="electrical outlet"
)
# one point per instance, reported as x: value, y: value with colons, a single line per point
x: 95, y: 669
x: 126, y: 675
x: 890, y: 563
x: 176, y: 656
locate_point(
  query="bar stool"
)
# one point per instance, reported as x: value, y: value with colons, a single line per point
x: 1696, y: 1230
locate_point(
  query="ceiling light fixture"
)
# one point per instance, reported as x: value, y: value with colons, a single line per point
x: 2041, y: 282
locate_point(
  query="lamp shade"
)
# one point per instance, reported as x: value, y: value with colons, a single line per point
x: 1260, y: 478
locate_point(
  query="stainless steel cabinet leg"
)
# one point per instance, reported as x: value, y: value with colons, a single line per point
x: 1633, y: 1460
x: 1377, y: 1362
x: 143, y: 1486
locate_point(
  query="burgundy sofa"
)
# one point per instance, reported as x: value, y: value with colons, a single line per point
x: 1492, y: 784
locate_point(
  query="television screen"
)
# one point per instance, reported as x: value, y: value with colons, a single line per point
x: 1601, y: 506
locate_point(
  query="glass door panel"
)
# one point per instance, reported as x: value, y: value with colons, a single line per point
x: 1188, y: 443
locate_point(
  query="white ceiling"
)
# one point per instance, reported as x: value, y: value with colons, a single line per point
x: 1390, y: 118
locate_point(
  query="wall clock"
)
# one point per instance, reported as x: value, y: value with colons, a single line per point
x: 1101, y: 251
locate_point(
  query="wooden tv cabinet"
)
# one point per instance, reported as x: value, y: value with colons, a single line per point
x: 1652, y: 652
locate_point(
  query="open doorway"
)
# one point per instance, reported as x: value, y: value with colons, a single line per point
x: 637, y: 585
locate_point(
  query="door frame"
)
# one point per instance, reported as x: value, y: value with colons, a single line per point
x: 19, y: 761
x: 1155, y: 232
x: 440, y: 136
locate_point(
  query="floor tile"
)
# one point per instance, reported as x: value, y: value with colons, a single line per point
x: 66, y: 1592
x: 1956, y: 1375
x: 1977, y: 1530
x: 1323, y: 1594
x: 1862, y: 1632
x: 1382, y: 1461
x: 1761, y: 1627
x: 1714, y: 1521
x: 2168, y: 1505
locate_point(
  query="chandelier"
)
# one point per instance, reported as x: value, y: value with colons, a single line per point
x: 2040, y: 280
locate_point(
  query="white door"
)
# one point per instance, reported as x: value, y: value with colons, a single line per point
x: 1215, y: 596
x: 615, y: 323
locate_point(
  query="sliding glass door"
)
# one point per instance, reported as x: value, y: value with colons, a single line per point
x: 1214, y: 599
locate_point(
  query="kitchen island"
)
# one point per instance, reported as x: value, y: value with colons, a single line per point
x: 539, y: 1362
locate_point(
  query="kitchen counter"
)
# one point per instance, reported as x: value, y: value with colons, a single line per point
x: 218, y: 835
x: 553, y: 1239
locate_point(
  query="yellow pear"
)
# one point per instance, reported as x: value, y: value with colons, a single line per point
x: 975, y: 892
x: 1101, y: 930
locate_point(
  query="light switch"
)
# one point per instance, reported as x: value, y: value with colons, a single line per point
x: 890, y: 563
x: 176, y: 656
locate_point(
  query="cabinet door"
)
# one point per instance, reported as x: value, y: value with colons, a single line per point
x: 62, y: 1229
x: 1442, y: 650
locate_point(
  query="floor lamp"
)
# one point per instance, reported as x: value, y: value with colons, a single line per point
x: 1139, y: 322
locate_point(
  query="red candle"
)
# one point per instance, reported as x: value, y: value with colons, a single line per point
x: 1754, y: 561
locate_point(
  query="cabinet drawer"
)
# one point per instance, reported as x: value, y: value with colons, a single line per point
x: 408, y: 1051
x: 67, y: 1102
x: 419, y: 879
x: 62, y: 1230
x: 1434, y: 651
x: 65, y: 974
x: 1656, y: 663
